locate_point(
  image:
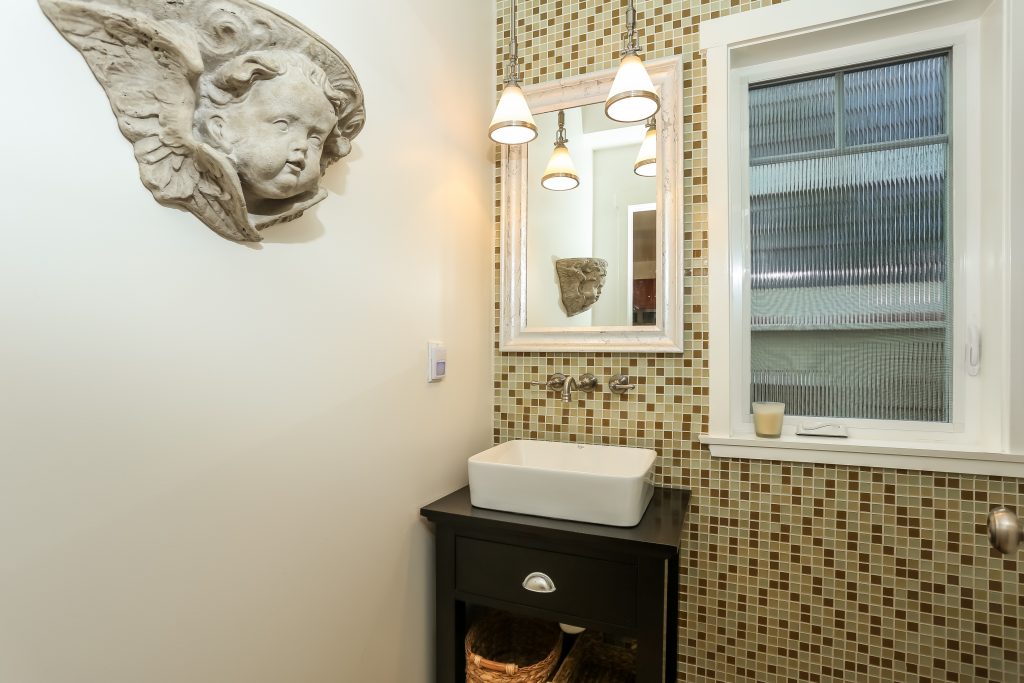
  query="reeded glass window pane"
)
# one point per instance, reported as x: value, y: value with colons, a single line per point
x: 793, y: 117
x: 851, y: 308
x: 895, y: 102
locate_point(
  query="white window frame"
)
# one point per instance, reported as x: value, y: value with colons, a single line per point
x: 807, y: 36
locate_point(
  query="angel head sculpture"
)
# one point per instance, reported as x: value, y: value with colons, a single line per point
x: 275, y: 115
x: 580, y: 281
x: 234, y: 110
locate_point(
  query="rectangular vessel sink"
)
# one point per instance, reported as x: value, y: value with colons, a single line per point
x: 597, y: 484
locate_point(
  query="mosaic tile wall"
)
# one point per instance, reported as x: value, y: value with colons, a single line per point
x: 788, y: 572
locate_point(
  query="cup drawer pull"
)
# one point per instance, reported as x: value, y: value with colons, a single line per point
x: 538, y: 582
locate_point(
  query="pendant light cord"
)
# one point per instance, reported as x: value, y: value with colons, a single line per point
x: 630, y: 43
x: 512, y: 76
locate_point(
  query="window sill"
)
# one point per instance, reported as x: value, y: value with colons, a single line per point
x: 927, y: 457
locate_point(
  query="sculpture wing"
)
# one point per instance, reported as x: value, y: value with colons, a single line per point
x: 149, y: 69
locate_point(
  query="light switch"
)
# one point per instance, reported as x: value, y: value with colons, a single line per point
x: 437, y: 361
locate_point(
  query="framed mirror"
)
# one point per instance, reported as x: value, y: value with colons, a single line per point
x: 597, y: 267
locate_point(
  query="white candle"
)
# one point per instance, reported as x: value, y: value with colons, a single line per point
x: 768, y: 419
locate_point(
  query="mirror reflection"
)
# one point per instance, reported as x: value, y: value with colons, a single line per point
x: 591, y: 248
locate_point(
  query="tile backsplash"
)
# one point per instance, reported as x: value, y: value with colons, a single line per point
x: 789, y: 572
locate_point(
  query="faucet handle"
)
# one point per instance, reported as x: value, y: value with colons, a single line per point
x: 620, y: 384
x: 588, y: 382
x: 555, y: 382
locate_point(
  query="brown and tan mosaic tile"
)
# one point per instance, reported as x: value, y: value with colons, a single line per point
x: 789, y: 572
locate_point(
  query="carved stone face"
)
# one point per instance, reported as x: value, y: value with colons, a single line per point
x: 581, y: 281
x: 590, y: 288
x: 276, y: 135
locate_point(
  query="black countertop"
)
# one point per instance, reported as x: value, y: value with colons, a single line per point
x: 656, y: 534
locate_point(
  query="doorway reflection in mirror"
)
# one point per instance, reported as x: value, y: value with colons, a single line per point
x: 642, y: 260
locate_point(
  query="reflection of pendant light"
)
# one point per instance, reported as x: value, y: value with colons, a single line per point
x: 647, y: 160
x: 561, y: 172
x: 632, y: 97
x: 512, y: 123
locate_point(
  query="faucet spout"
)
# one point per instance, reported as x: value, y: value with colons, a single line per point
x: 567, y: 389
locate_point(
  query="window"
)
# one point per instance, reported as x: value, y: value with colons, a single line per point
x: 859, y: 231
x: 850, y: 303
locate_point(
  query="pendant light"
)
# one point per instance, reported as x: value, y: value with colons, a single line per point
x: 647, y: 160
x: 512, y: 123
x: 561, y: 172
x: 632, y: 97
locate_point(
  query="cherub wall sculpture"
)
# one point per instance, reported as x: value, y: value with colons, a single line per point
x: 580, y: 281
x: 234, y: 109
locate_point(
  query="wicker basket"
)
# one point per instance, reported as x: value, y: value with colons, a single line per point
x: 502, y: 648
x: 592, y: 660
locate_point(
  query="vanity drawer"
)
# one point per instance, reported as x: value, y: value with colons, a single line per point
x: 588, y: 587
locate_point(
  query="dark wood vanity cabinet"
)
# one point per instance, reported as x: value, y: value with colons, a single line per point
x: 614, y: 580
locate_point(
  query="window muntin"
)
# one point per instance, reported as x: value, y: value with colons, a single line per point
x: 850, y: 295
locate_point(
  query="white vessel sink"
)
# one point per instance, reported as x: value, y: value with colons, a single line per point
x: 597, y: 484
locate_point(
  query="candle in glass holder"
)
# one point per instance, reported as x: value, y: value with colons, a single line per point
x: 768, y: 419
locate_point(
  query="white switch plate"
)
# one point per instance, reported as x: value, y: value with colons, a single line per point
x: 437, y: 361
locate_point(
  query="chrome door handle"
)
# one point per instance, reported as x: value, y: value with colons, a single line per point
x: 1004, y: 530
x: 538, y: 582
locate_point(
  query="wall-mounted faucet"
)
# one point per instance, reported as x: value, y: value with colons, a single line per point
x: 587, y: 384
x: 566, y: 385
x: 567, y: 388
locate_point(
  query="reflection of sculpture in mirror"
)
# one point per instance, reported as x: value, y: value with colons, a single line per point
x: 580, y: 280
x: 234, y: 110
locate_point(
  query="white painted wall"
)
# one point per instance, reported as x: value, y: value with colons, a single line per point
x: 211, y: 455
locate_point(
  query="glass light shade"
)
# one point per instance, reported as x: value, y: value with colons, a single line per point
x: 561, y: 172
x: 647, y: 160
x: 632, y: 97
x: 512, y: 123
